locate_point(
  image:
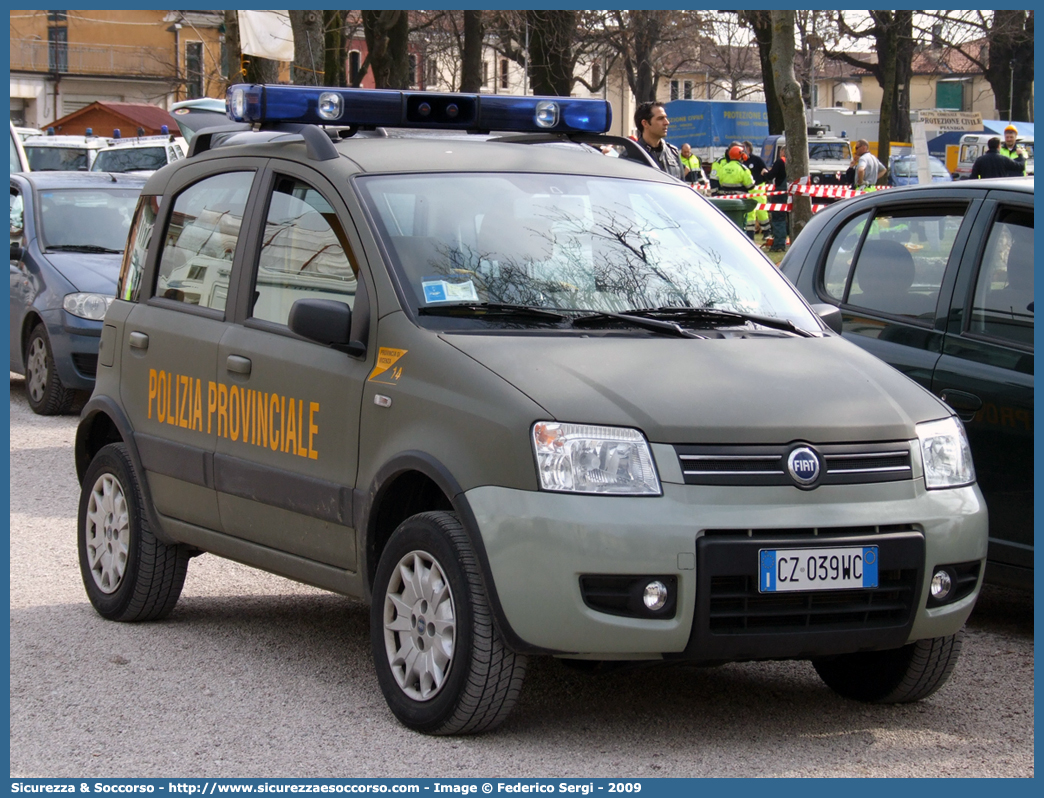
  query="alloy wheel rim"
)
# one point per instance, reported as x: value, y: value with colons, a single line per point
x: 419, y: 626
x: 36, y: 368
x: 107, y: 533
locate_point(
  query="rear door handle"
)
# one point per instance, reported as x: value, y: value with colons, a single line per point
x: 237, y: 364
x: 139, y: 340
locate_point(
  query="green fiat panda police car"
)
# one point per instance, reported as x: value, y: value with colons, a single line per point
x: 523, y: 398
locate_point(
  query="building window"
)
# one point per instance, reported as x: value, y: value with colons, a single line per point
x: 681, y: 89
x: 596, y: 74
x: 413, y: 71
x: 193, y: 70
x: 503, y: 73
x: 57, y: 16
x: 432, y: 67
x: 354, y: 62
x: 58, y: 49
x: 950, y: 94
x: 485, y: 73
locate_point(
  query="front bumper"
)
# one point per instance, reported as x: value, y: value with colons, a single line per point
x: 74, y: 344
x: 539, y: 545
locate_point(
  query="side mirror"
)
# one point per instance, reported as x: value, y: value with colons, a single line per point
x: 17, y: 251
x: 327, y: 322
x: 831, y: 315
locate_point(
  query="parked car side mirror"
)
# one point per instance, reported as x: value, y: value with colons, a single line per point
x: 831, y: 314
x: 17, y: 251
x: 325, y: 321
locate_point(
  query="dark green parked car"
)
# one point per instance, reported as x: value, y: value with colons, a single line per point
x: 937, y: 280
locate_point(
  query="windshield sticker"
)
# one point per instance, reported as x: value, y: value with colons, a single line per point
x: 385, y: 367
x: 439, y: 289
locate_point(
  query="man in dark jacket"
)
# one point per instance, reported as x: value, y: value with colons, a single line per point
x: 777, y: 175
x: 992, y: 164
x: 650, y: 120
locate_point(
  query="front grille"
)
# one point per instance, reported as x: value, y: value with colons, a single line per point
x: 843, y: 464
x: 736, y: 606
x: 87, y: 365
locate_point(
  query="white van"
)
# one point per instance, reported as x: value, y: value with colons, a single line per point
x: 973, y: 145
x: 18, y: 161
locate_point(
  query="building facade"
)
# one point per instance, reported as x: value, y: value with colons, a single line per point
x: 61, y: 61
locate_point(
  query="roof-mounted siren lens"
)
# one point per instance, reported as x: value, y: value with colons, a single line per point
x: 245, y: 103
x: 331, y: 106
x: 544, y: 114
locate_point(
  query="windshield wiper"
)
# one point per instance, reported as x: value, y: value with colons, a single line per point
x: 656, y: 325
x: 721, y: 317
x: 83, y: 248
x: 490, y: 309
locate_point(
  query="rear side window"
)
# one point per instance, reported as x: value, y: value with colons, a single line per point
x: 129, y: 286
x: 1003, y: 303
x: 201, y: 239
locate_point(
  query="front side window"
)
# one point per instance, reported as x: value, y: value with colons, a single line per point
x: 899, y: 264
x: 304, y: 253
x: 1003, y: 303
x: 571, y: 243
x: 201, y: 239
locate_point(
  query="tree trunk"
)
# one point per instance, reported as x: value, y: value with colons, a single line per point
x: 551, y: 35
x: 471, y: 67
x: 788, y: 90
x: 234, y: 56
x: 1011, y: 63
x: 307, y: 69
x: 646, y: 31
x: 387, y: 42
x: 333, y: 50
x: 760, y: 23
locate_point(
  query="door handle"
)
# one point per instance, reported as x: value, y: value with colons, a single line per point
x: 237, y: 364
x: 966, y: 405
x: 139, y: 340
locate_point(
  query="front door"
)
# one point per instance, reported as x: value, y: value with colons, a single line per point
x: 288, y: 408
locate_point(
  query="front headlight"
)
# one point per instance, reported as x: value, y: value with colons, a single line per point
x: 945, y: 454
x: 87, y: 306
x: 582, y: 458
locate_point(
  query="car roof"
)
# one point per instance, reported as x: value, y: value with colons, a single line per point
x: 65, y: 141
x: 413, y: 151
x: 69, y: 179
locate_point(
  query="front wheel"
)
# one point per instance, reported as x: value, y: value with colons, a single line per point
x: 441, y: 663
x: 898, y: 676
x: 129, y: 575
x: 47, y: 395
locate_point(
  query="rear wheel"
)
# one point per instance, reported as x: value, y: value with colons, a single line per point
x: 440, y: 660
x: 129, y: 575
x: 43, y: 387
x: 898, y: 676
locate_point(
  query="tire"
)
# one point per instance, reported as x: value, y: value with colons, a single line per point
x: 129, y: 575
x: 440, y: 661
x: 43, y: 387
x: 899, y: 676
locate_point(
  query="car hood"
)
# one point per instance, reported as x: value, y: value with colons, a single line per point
x: 88, y: 272
x: 731, y: 391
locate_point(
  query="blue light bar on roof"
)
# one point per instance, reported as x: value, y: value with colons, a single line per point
x: 432, y: 110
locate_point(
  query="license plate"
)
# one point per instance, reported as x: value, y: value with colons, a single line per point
x: 817, y: 569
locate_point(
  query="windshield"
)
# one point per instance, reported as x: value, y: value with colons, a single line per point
x: 60, y: 159
x: 86, y: 218
x: 573, y: 243
x: 130, y: 159
x: 828, y: 151
x: 907, y: 167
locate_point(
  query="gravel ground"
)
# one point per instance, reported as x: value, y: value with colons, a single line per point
x: 254, y: 675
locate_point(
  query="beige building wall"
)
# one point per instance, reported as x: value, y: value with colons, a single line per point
x: 123, y: 56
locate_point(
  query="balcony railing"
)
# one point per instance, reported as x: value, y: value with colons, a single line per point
x: 35, y: 55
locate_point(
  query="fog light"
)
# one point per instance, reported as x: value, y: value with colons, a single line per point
x: 942, y: 585
x: 655, y: 596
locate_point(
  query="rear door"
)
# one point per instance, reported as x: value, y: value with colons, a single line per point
x: 169, y: 343
x: 985, y: 371
x: 288, y: 411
